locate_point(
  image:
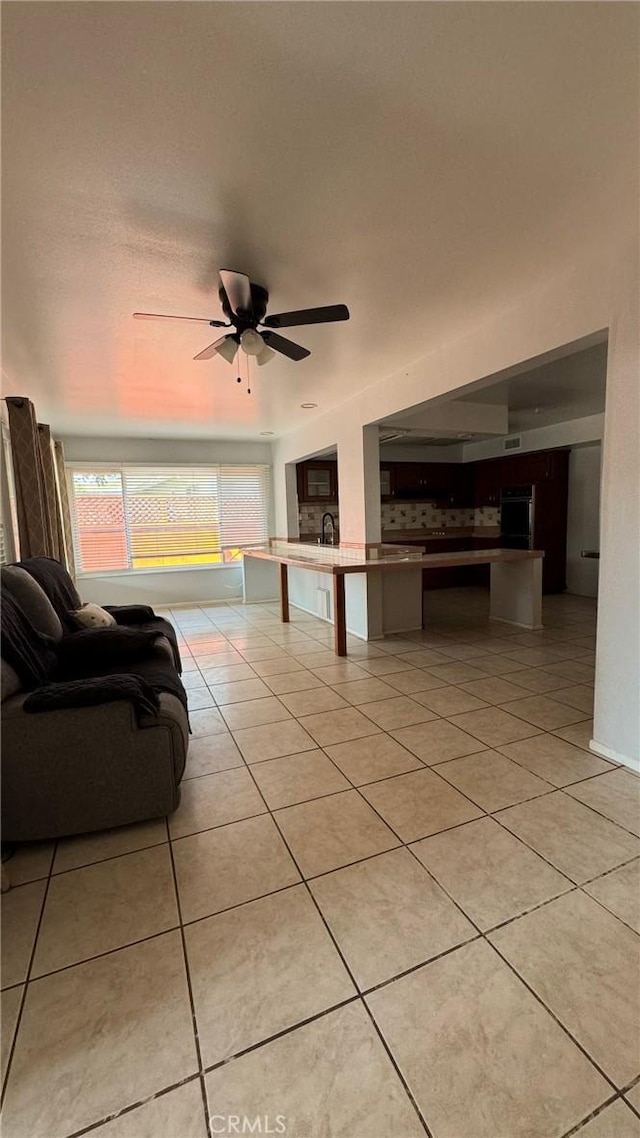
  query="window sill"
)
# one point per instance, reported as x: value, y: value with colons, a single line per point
x: 135, y: 573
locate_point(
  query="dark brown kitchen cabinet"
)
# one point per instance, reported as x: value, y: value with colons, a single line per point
x: 493, y: 475
x: 444, y: 483
x: 548, y: 473
x: 550, y: 522
x: 457, y: 477
x: 489, y: 477
x: 387, y: 484
x: 405, y: 480
x: 317, y: 481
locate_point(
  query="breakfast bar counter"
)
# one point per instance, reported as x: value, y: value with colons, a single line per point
x: 516, y: 575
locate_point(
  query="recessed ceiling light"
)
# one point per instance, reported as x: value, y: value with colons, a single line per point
x: 266, y: 432
x: 308, y: 406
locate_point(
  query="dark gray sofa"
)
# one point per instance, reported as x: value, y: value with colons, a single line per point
x: 77, y: 769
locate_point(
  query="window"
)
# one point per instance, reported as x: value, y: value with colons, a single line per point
x: 139, y: 517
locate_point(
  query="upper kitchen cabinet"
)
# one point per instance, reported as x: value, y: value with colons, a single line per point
x: 493, y: 475
x: 488, y: 480
x: 405, y: 480
x: 445, y: 483
x: 387, y: 481
x: 460, y: 484
x: 318, y: 480
x: 541, y: 466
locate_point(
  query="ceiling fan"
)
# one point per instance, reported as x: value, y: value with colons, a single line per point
x: 245, y: 304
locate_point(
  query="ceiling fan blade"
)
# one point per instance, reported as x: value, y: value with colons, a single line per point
x: 238, y: 289
x: 324, y: 315
x: 209, y: 353
x: 193, y: 319
x: 286, y: 347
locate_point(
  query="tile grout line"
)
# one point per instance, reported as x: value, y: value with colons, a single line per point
x: 595, y: 1114
x: 185, y: 957
x: 304, y: 881
x: 480, y: 933
x: 345, y: 965
x: 553, y: 789
x: 134, y: 1106
x: 608, y: 872
x: 487, y: 941
x: 27, y: 978
x: 553, y: 1015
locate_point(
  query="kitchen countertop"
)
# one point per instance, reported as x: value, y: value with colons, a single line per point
x: 337, y: 561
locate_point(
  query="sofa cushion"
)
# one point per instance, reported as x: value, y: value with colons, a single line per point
x: 92, y: 616
x: 30, y: 653
x: 33, y: 601
x: 57, y: 584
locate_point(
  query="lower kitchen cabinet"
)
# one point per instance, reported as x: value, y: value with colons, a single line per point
x: 453, y: 484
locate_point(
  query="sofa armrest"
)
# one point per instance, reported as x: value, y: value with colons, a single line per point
x: 88, y: 768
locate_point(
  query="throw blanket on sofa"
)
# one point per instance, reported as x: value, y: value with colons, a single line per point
x: 103, y: 653
x: 131, y: 614
x: 57, y: 584
x: 81, y: 650
x: 143, y: 615
x: 30, y: 653
x: 91, y: 692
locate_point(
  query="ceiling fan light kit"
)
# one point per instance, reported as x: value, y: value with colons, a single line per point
x: 245, y: 305
x: 227, y: 347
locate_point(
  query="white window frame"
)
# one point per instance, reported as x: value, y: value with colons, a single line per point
x: 119, y: 468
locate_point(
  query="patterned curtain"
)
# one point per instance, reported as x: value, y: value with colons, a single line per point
x: 41, y: 523
x: 65, y: 512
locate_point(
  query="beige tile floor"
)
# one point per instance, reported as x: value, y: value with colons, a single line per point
x: 399, y: 897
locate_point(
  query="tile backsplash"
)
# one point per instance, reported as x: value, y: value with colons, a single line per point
x: 424, y: 515
x: 403, y: 516
x: 310, y: 517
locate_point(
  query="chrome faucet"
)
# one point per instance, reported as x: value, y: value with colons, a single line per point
x: 328, y: 535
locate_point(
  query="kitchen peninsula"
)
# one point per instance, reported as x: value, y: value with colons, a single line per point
x: 515, y: 589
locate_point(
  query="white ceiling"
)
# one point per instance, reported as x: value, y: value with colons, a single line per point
x: 414, y: 161
x: 569, y: 388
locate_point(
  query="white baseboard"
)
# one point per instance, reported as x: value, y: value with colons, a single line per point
x: 614, y: 756
x: 400, y: 631
x: 325, y: 619
x: 515, y: 624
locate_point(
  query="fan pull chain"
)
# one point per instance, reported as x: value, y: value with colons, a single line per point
x: 239, y: 378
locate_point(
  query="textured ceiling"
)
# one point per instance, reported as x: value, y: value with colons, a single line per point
x: 563, y: 389
x: 414, y: 161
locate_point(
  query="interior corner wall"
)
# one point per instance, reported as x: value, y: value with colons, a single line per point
x: 583, y: 519
x: 616, y: 727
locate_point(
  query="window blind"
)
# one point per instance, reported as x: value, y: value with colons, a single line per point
x: 138, y: 517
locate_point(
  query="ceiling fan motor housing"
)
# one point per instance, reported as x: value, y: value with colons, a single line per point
x: 242, y: 320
